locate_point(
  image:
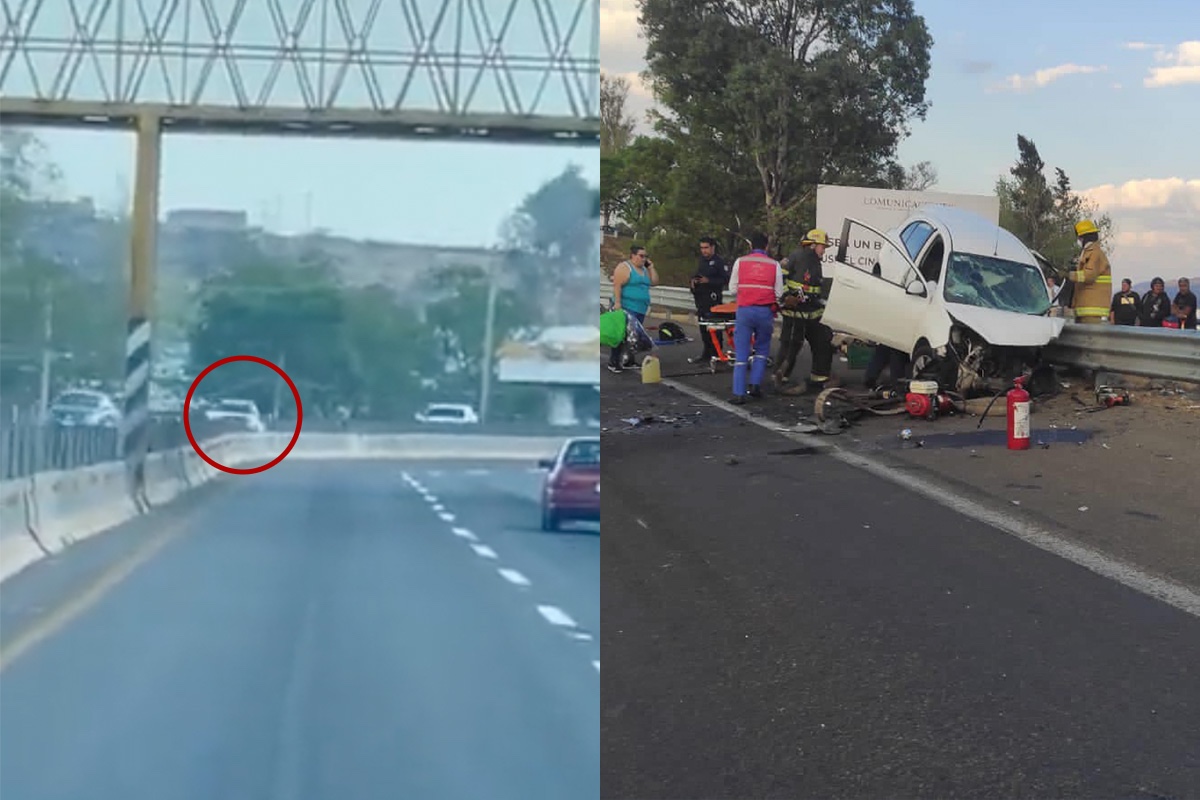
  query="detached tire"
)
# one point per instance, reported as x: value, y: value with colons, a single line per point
x: 550, y: 519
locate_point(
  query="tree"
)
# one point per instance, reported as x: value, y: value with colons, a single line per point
x: 294, y: 314
x: 458, y: 322
x: 84, y: 317
x: 757, y: 82
x: 920, y: 177
x: 616, y: 127
x: 552, y: 237
x: 1044, y: 216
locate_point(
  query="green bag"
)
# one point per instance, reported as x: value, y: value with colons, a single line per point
x: 612, y: 328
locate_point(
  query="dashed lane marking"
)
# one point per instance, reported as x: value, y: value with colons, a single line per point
x: 463, y: 533
x: 596, y: 664
x: 556, y: 616
x: 514, y: 577
x: 483, y: 551
x: 446, y: 517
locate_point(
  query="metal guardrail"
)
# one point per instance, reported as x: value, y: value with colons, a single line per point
x: 675, y: 298
x: 1157, y: 353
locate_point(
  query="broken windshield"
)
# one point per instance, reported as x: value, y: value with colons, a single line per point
x: 995, y: 283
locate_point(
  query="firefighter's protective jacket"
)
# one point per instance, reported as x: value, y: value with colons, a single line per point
x: 804, y: 280
x: 1093, y: 283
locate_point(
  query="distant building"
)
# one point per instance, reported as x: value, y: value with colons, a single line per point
x: 206, y: 219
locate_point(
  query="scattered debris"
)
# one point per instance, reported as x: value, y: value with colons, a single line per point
x: 732, y: 461
x: 1083, y: 508
x: 990, y: 438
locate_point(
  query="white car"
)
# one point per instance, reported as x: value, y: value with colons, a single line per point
x: 244, y: 410
x: 85, y: 408
x: 447, y: 414
x: 965, y: 298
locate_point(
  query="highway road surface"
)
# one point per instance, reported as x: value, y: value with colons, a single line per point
x: 779, y: 624
x: 323, y: 631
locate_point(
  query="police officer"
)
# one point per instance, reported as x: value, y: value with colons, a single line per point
x: 712, y: 274
x: 803, y: 307
x: 1092, y: 277
x: 757, y: 282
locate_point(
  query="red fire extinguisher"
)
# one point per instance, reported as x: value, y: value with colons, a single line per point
x: 1018, y: 416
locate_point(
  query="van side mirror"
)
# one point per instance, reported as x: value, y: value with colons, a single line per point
x: 916, y: 287
x: 546, y: 463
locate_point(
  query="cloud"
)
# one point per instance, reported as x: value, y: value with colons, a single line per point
x: 1044, y: 77
x: 977, y: 67
x: 622, y: 48
x: 1183, y: 66
x: 1157, y: 223
x: 1141, y: 46
x: 1148, y: 193
x: 1176, y: 240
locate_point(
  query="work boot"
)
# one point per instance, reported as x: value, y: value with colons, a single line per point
x: 755, y: 391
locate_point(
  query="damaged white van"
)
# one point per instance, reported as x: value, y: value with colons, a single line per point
x: 963, y: 296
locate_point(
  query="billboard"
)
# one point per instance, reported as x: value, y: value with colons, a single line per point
x: 883, y: 209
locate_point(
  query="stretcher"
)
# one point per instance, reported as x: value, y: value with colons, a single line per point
x: 720, y: 322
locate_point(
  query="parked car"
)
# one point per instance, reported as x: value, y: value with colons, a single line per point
x: 447, y: 414
x: 963, y: 296
x: 571, y: 490
x: 245, y: 411
x: 85, y: 408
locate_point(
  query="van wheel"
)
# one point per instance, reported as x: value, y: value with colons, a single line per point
x: 550, y: 520
x: 922, y: 362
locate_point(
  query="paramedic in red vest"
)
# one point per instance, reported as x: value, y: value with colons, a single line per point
x: 757, y: 282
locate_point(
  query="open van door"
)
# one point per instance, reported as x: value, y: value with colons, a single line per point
x: 872, y: 295
x: 1066, y: 287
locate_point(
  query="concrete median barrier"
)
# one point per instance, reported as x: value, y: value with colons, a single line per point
x: 71, y: 505
x: 18, y: 546
x: 164, y: 477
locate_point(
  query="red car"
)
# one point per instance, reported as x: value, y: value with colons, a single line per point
x: 572, y: 487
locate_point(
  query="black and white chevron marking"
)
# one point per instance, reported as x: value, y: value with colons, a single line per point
x: 136, y: 419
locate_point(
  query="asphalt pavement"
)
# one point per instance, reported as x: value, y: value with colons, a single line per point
x: 780, y: 624
x: 324, y: 630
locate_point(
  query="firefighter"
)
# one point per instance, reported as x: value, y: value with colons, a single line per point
x: 757, y: 282
x: 1092, y: 277
x: 802, y: 307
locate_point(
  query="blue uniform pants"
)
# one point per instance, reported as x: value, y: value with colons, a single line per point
x: 755, y: 322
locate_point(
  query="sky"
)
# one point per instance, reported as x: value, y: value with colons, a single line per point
x: 1107, y: 92
x: 418, y: 192
x: 456, y: 194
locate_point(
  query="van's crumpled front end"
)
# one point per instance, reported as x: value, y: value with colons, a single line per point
x: 987, y: 349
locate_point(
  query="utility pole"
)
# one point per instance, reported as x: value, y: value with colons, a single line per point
x: 489, y: 345
x: 278, y: 389
x: 47, y: 354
